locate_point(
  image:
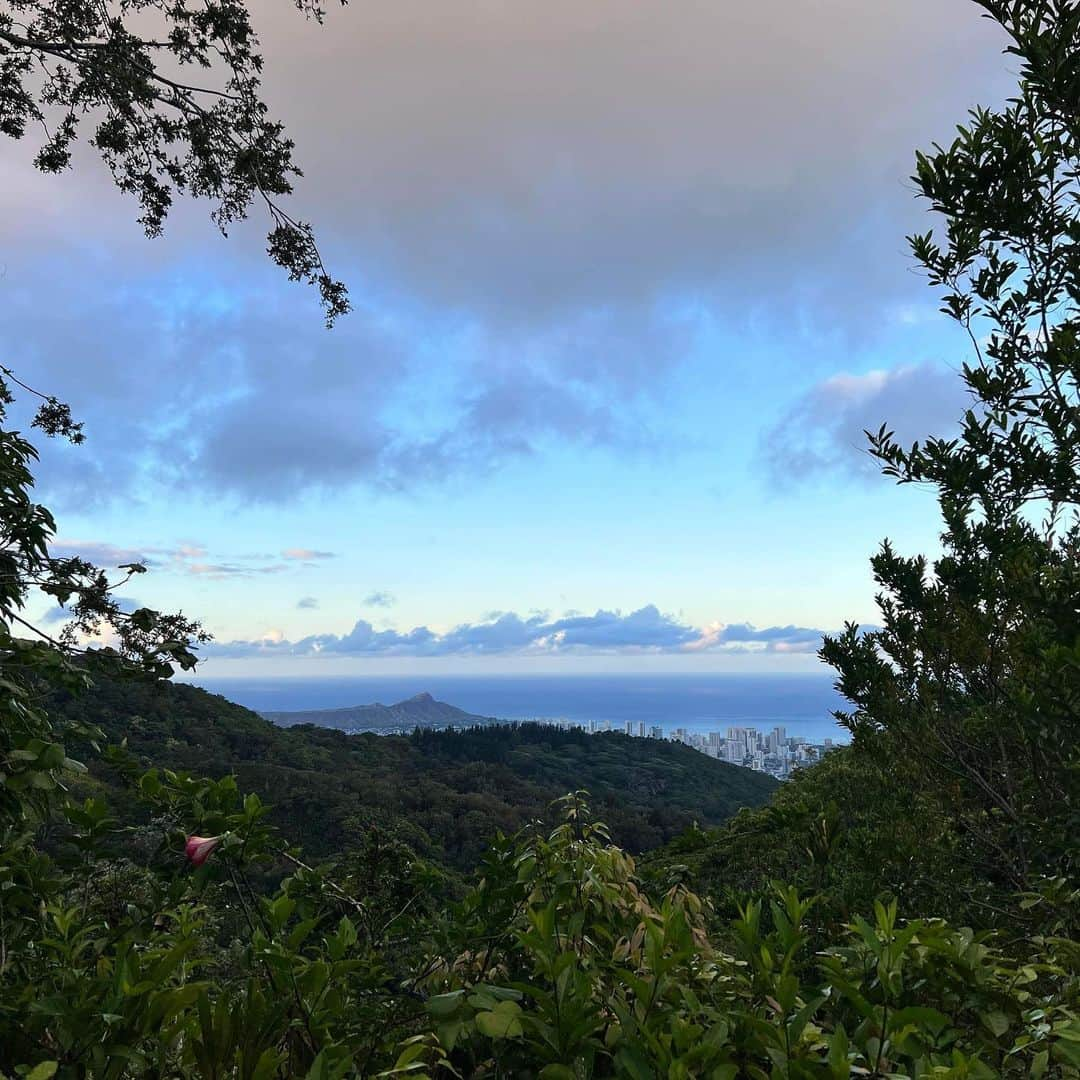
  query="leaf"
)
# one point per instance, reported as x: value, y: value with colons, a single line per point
x: 839, y: 1064
x: 43, y: 1071
x: 630, y: 1061
x: 996, y: 1021
x: 503, y: 1022
x: 410, y: 1054
x: 442, y: 1006
x: 448, y: 1034
x: 915, y: 1014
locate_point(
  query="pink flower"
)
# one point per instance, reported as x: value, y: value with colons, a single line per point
x: 199, y: 848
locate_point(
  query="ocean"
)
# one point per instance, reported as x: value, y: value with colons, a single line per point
x: 701, y: 703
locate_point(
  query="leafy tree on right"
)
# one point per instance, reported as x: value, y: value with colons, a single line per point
x: 972, y: 685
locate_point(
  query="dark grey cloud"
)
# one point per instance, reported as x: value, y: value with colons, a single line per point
x: 572, y: 157
x: 745, y: 632
x: 532, y: 160
x: 527, y: 201
x: 824, y: 431
x: 645, y: 630
x: 247, y: 403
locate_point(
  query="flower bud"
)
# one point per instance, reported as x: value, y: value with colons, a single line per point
x: 199, y: 848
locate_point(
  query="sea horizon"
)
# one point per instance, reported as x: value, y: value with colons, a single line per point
x: 801, y: 702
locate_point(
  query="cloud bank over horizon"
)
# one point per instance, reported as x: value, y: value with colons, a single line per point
x: 646, y: 630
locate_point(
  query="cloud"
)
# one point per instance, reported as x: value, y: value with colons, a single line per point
x: 824, y: 431
x: 524, y: 250
x: 684, y: 147
x: 190, y: 559
x: 252, y: 407
x: 307, y: 603
x: 647, y: 630
x: 100, y: 553
x: 380, y: 599
x: 219, y: 571
x: 745, y: 638
x: 59, y: 613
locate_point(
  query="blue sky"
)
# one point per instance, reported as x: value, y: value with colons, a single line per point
x: 629, y: 280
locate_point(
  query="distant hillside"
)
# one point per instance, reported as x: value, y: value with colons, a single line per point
x: 445, y: 792
x: 421, y: 711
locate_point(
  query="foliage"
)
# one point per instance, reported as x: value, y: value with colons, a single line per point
x: 559, y: 963
x: 171, y: 91
x: 568, y: 967
x: 973, y: 682
x: 32, y: 755
x: 139, y: 965
x: 846, y: 829
x: 443, y: 793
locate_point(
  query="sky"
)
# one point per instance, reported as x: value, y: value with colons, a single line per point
x: 629, y: 281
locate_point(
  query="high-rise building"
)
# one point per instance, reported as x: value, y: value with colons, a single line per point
x: 629, y: 727
x: 656, y: 732
x: 641, y: 729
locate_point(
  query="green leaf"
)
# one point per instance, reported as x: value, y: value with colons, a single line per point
x: 996, y: 1021
x: 442, y: 1006
x: 915, y: 1014
x: 629, y: 1061
x: 43, y: 1071
x: 503, y: 1022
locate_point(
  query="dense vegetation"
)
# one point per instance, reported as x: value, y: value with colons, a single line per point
x: 448, y: 792
x: 929, y: 922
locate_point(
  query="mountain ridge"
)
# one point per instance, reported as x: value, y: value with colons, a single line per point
x: 421, y: 710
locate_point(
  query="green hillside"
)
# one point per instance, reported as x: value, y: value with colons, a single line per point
x: 447, y: 791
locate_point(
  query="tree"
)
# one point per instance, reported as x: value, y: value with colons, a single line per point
x: 975, y: 674
x: 99, y: 635
x: 122, y: 68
